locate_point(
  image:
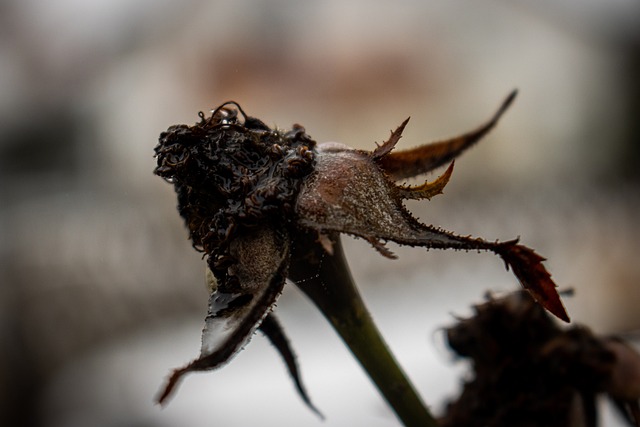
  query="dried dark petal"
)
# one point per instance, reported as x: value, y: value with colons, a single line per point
x: 240, y: 302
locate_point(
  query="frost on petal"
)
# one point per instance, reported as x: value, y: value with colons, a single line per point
x: 240, y: 301
x: 349, y: 193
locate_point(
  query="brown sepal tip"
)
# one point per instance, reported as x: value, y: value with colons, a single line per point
x: 534, y: 277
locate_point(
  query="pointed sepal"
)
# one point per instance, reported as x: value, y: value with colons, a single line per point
x: 389, y: 144
x: 422, y: 159
x: 428, y: 189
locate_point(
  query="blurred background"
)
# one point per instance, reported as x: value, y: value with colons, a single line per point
x: 101, y: 293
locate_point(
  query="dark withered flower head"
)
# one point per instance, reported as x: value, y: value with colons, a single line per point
x: 231, y: 174
x: 246, y: 191
x: 527, y: 370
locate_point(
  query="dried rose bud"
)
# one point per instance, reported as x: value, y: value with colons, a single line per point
x: 245, y: 190
x: 527, y: 370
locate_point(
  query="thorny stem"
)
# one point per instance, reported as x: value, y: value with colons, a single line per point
x: 326, y: 279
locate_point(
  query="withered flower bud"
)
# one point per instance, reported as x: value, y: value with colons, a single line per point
x: 527, y: 370
x: 246, y: 190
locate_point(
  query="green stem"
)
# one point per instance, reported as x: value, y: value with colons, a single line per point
x: 326, y: 279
